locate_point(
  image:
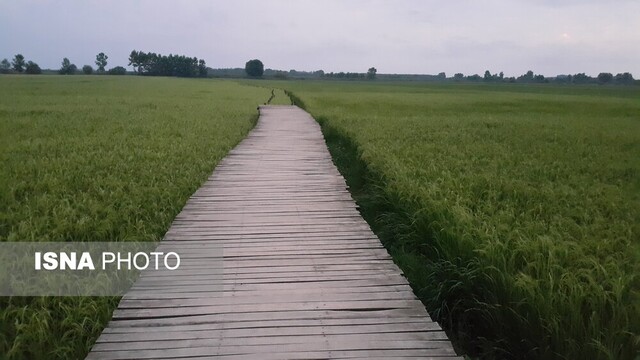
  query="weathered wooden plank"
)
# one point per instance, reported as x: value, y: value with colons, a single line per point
x: 290, y: 285
x: 273, y: 319
x: 283, y: 325
x: 362, y: 306
x: 425, y: 330
x: 416, y: 339
x: 438, y: 349
x: 270, y: 299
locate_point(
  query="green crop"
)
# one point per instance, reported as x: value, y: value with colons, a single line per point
x: 514, y: 210
x: 102, y: 158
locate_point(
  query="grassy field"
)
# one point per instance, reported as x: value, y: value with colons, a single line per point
x: 514, y: 210
x: 101, y: 158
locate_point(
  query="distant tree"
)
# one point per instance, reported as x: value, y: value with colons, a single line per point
x: 442, y: 76
x: 134, y: 60
x: 527, y: 77
x: 458, y: 77
x: 371, y: 73
x: 254, y: 68
x: 87, y: 70
x: 141, y: 61
x: 101, y: 62
x: 281, y: 75
x: 32, y: 68
x: 202, y: 68
x: 581, y: 78
x: 624, y: 79
x: 67, y: 67
x: 487, y: 76
x: 562, y: 79
x: 161, y: 65
x: 474, y: 77
x: 118, y: 70
x: 319, y: 73
x: 605, y: 78
x: 539, y: 78
x: 5, y: 66
x: 501, y: 75
x: 18, y: 63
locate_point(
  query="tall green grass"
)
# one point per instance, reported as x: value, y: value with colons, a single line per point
x: 514, y: 210
x: 91, y: 158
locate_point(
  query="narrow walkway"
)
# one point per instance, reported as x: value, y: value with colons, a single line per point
x: 304, y: 276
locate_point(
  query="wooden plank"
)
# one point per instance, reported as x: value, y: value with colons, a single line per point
x: 417, y: 339
x: 271, y: 299
x: 280, y: 325
x: 246, y: 333
x: 259, y: 349
x: 309, y: 317
x: 363, y: 306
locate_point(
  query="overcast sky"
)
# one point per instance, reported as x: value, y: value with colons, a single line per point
x: 408, y: 36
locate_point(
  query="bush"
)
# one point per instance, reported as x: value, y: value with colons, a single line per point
x: 87, y: 70
x: 33, y: 68
x: 5, y: 66
x: 118, y: 70
x: 605, y: 78
x: 67, y: 68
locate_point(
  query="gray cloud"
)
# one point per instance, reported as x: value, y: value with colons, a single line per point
x: 406, y: 36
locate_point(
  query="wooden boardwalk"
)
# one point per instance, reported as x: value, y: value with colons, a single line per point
x: 304, y: 277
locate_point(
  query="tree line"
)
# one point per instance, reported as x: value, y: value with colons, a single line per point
x: 153, y: 64
x: 172, y: 65
x: 369, y: 75
x: 19, y: 65
x: 144, y: 63
x: 529, y: 77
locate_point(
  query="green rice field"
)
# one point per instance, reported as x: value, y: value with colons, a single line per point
x: 514, y: 210
x: 97, y: 158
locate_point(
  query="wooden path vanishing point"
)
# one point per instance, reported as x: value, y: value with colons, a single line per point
x: 304, y: 276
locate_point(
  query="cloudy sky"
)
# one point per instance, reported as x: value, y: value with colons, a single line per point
x: 404, y: 36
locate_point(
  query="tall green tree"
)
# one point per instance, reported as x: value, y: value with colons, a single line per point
x: 18, y: 63
x: 135, y: 60
x: 202, y: 68
x: 101, y: 62
x: 254, y: 68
